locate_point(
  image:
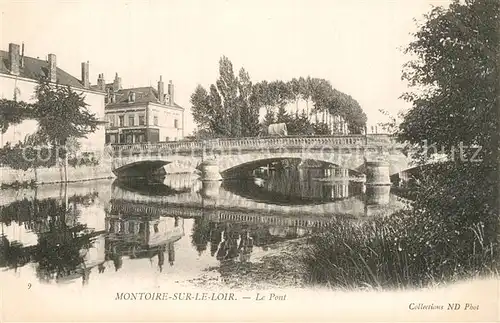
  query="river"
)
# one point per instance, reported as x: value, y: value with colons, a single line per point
x: 176, y: 229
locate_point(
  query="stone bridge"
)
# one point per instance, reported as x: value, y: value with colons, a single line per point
x: 377, y: 156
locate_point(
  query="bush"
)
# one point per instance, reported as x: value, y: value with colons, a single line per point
x: 450, y: 232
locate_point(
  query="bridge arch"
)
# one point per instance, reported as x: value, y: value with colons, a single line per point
x: 232, y: 165
x: 141, y: 167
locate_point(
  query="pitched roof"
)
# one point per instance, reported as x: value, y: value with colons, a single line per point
x: 145, y: 94
x: 35, y: 68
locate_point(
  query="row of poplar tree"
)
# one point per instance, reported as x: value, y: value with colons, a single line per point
x: 231, y: 106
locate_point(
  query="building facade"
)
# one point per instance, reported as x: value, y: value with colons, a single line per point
x: 19, y: 76
x: 141, y: 114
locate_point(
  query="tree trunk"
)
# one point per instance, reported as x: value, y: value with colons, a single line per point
x: 66, y: 196
x: 66, y: 167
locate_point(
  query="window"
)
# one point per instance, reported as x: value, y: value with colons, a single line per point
x: 141, y: 138
x: 155, y: 120
x: 141, y: 120
x: 131, y: 120
x: 129, y: 139
x: 111, y: 120
x: 121, y: 120
x: 176, y: 123
x: 112, y: 139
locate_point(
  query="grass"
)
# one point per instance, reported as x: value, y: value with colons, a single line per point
x: 402, y: 250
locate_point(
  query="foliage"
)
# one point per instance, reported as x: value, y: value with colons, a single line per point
x: 227, y: 86
x: 61, y: 114
x: 390, y: 126
x: 283, y: 116
x: 231, y: 107
x: 455, y: 105
x: 12, y: 112
x: 456, y: 72
x: 321, y: 128
x: 249, y: 107
x: 451, y: 230
x: 402, y: 250
x: 300, y: 125
x: 269, y: 118
x: 62, y: 117
x: 23, y: 156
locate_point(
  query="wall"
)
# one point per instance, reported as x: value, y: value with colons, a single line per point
x: 25, y: 92
x: 9, y: 176
x: 166, y: 116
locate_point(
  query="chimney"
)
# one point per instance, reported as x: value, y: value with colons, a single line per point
x: 161, y: 91
x: 85, y: 75
x: 117, y: 84
x: 14, y: 58
x: 170, y: 92
x: 52, y: 68
x: 101, y: 84
x: 22, y: 56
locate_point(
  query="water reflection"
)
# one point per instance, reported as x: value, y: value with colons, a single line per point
x: 139, y: 228
x: 294, y: 186
x: 139, y: 236
x: 62, y: 242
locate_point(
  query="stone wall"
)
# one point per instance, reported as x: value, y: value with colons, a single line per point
x: 9, y: 176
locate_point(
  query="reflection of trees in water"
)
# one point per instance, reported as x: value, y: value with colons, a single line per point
x: 62, y: 241
x: 30, y: 212
x: 59, y: 252
x: 232, y: 240
x: 13, y: 254
x: 201, y: 234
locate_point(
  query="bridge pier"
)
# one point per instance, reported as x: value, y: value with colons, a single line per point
x: 210, y: 171
x: 210, y: 189
x: 378, y: 183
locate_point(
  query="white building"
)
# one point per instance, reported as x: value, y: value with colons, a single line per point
x: 18, y: 79
x: 141, y: 114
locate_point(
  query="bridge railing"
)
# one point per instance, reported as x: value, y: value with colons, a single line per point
x: 256, y: 143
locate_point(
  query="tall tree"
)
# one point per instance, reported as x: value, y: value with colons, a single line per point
x: 208, y: 112
x: 248, y: 105
x: 294, y: 86
x: 227, y: 85
x: 455, y: 103
x: 269, y: 118
x: 61, y: 114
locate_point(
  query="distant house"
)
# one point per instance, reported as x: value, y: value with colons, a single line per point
x: 141, y: 114
x: 19, y: 76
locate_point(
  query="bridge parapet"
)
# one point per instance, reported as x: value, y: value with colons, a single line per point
x: 254, y: 143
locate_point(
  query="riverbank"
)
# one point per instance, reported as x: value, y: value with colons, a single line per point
x: 57, y: 191
x: 17, y: 178
x: 278, y: 267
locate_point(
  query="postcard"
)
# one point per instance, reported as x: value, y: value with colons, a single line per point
x: 249, y: 161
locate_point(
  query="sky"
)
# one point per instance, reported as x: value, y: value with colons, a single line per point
x: 356, y: 45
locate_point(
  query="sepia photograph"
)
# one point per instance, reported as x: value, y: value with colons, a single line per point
x: 249, y: 161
